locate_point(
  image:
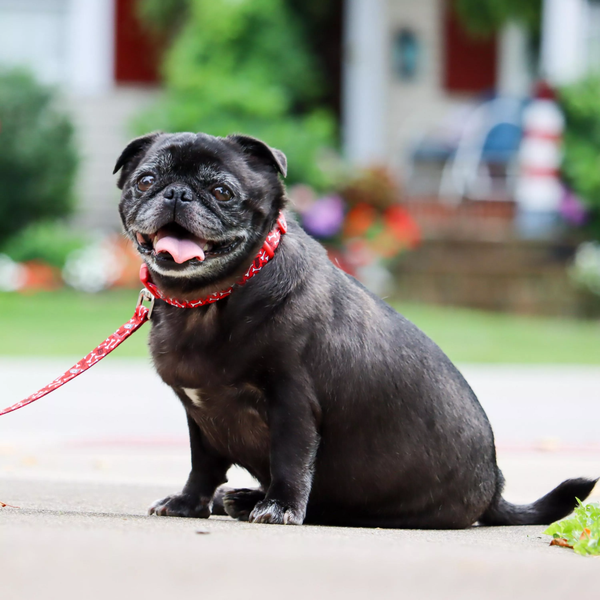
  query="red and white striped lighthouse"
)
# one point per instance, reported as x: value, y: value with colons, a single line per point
x: 539, y: 189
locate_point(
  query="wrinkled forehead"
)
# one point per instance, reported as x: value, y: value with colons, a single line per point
x: 192, y: 154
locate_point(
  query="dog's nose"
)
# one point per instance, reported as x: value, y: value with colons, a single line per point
x: 178, y: 192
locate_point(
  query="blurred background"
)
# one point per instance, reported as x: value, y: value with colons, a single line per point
x: 446, y: 153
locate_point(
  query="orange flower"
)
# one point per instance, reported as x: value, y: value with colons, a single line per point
x: 402, y: 226
x: 359, y: 220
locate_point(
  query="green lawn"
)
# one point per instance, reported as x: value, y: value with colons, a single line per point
x: 66, y: 323
x: 483, y: 337
x: 70, y: 324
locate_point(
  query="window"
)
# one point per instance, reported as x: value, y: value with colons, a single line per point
x: 406, y: 55
x: 33, y: 34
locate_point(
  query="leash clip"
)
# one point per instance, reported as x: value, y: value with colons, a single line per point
x: 146, y: 296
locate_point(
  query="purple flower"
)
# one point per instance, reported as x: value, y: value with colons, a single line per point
x: 325, y: 217
x: 572, y: 209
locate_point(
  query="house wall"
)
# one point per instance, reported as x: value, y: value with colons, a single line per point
x: 33, y: 33
x: 415, y: 106
x: 64, y: 42
x: 103, y: 124
x: 387, y: 104
x: 73, y: 44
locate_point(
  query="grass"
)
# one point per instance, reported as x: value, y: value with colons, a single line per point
x: 484, y: 337
x: 67, y: 323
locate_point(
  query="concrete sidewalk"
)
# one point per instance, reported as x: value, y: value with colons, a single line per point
x: 84, y: 463
x: 93, y: 541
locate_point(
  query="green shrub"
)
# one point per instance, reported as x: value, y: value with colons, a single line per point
x: 580, y: 531
x: 243, y: 66
x: 38, y: 158
x: 163, y: 18
x: 485, y: 17
x: 581, y: 166
x: 50, y: 242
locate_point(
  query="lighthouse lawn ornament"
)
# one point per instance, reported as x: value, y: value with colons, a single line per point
x: 539, y: 190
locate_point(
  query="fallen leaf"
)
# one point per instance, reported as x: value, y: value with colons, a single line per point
x: 3, y: 504
x: 561, y: 542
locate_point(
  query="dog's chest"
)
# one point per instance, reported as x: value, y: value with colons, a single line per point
x: 232, y: 419
x: 191, y: 350
x: 195, y: 358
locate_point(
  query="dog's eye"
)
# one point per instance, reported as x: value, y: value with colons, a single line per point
x: 222, y: 193
x: 145, y: 183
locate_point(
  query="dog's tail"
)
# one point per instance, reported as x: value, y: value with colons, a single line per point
x: 553, y: 506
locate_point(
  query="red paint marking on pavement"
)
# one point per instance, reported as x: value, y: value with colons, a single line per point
x: 131, y: 441
x: 549, y: 447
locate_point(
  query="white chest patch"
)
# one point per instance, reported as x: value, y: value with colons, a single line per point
x: 194, y: 396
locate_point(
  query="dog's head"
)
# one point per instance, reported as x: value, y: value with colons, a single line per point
x: 198, y: 207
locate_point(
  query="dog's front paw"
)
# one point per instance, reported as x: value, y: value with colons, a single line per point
x: 181, y: 505
x: 276, y: 513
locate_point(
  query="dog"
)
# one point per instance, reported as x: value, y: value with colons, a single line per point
x: 342, y: 409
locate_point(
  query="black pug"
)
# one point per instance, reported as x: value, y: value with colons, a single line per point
x: 343, y: 410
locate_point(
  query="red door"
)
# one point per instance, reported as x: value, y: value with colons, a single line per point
x: 470, y: 63
x: 136, y: 51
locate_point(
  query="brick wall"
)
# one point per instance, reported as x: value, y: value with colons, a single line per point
x: 520, y: 276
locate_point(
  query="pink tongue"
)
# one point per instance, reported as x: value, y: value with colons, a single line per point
x: 180, y: 249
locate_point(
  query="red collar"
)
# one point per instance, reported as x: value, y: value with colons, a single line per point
x: 264, y: 255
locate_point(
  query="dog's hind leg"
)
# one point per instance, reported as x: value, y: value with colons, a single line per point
x: 238, y: 504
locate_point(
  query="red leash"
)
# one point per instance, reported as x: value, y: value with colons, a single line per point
x: 143, y: 314
x: 140, y: 316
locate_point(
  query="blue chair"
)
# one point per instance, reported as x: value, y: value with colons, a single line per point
x: 480, y: 162
x: 484, y: 165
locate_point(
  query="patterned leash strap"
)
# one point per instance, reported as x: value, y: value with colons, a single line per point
x: 140, y: 316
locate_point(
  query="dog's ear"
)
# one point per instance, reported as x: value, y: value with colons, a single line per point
x: 132, y: 155
x: 260, y: 150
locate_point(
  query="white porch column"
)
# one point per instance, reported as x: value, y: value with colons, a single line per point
x: 564, y: 33
x: 514, y: 78
x: 90, y: 46
x: 364, y: 81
